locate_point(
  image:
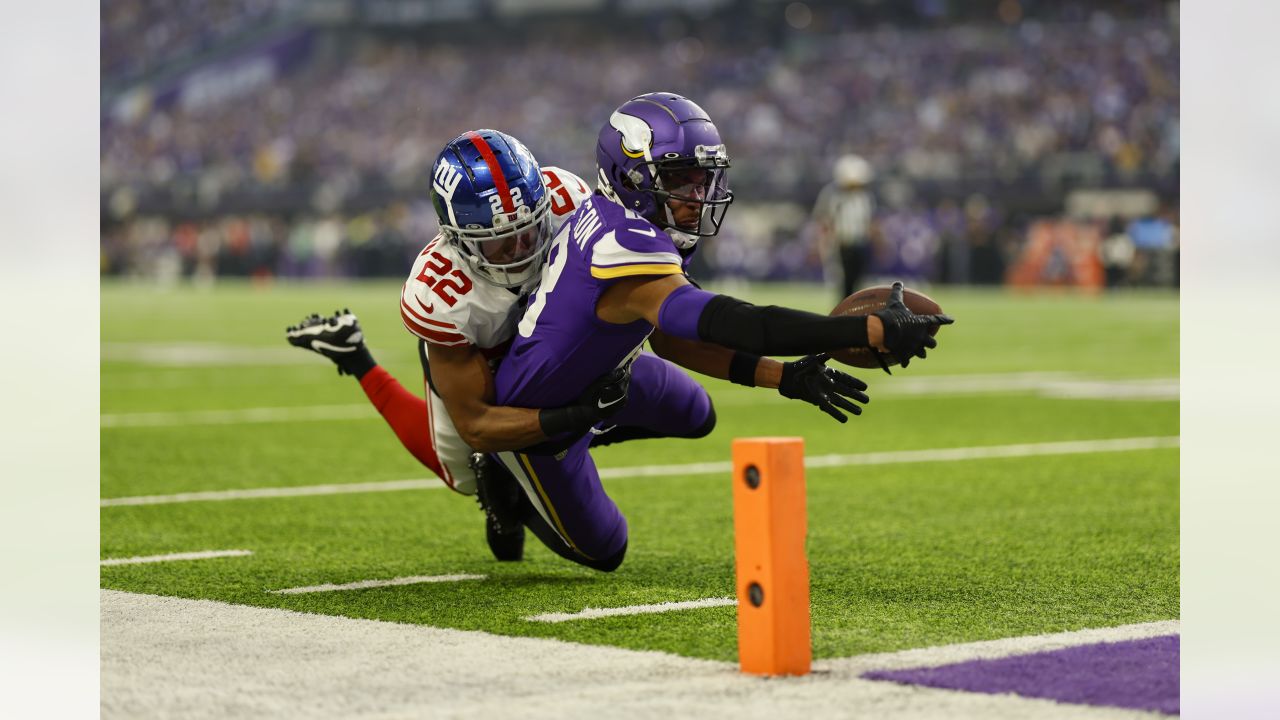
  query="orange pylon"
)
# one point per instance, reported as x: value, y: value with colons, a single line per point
x: 769, y: 524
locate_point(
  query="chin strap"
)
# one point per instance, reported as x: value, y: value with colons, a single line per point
x: 683, y: 240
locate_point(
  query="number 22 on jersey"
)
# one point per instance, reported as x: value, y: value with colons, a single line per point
x: 448, y: 282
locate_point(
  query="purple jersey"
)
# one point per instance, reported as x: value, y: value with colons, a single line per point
x: 560, y: 345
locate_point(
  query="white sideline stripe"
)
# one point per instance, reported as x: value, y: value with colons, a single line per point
x: 250, y: 493
x: 238, y: 416
x: 593, y: 613
x: 173, y: 657
x: 202, y: 555
x: 1004, y: 647
x: 361, y: 584
x: 981, y: 452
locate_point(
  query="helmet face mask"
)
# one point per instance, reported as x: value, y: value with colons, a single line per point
x: 510, y: 253
x: 662, y: 157
x: 492, y: 206
x: 692, y: 199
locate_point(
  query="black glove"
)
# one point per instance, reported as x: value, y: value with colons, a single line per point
x: 906, y: 335
x: 810, y: 379
x: 602, y: 398
x: 608, y: 394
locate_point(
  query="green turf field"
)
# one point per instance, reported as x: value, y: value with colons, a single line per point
x: 902, y: 554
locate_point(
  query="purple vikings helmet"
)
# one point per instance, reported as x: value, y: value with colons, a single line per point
x: 489, y: 198
x: 659, y: 147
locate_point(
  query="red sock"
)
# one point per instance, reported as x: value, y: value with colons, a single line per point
x: 405, y: 412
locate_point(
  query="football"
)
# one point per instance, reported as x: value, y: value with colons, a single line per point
x: 869, y: 300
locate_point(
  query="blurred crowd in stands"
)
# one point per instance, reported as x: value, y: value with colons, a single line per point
x: 974, y: 128
x: 140, y: 36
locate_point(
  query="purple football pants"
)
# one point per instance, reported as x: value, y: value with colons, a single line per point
x: 565, y: 488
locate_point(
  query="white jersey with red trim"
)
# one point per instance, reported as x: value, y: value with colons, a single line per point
x: 444, y: 304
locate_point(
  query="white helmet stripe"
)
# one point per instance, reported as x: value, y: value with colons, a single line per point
x: 637, y: 136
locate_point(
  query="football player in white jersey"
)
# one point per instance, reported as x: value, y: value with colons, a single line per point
x: 497, y: 210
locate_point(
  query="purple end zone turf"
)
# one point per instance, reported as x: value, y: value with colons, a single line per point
x: 1138, y: 674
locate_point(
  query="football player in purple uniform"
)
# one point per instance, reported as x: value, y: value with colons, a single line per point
x: 614, y: 278
x: 497, y: 210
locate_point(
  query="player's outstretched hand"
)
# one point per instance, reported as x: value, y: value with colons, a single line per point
x: 907, y: 335
x: 809, y: 379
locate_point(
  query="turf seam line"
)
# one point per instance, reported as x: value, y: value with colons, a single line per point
x: 362, y: 584
x: 982, y: 452
x: 200, y: 555
x: 590, y: 613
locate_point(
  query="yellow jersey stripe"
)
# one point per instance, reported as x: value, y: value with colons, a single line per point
x: 546, y: 502
x: 606, y: 273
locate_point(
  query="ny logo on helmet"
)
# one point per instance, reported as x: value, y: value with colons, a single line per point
x: 446, y: 181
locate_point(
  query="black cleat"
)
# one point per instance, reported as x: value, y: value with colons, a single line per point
x: 499, y: 498
x: 338, y: 338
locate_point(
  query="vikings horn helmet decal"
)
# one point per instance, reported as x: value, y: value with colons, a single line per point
x: 637, y: 136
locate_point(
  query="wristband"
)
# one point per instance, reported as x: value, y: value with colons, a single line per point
x: 569, y: 419
x: 742, y: 368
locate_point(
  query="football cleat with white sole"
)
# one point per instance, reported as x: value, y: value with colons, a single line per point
x: 337, y: 337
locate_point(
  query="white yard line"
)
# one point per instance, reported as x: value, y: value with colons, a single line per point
x: 195, y: 354
x: 980, y: 452
x: 275, y: 492
x: 593, y: 613
x: 238, y: 416
x: 362, y: 584
x: 1070, y: 447
x: 202, y: 555
x: 1047, y: 385
x: 1050, y: 385
x: 171, y: 657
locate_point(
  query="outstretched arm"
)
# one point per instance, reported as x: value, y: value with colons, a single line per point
x: 678, y: 308
x: 463, y: 380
